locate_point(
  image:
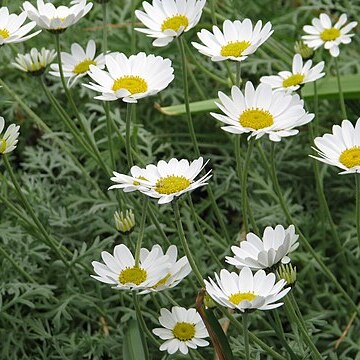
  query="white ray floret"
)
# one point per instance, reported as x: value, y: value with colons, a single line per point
x: 273, y: 248
x: 237, y: 41
x: 178, y: 269
x: 323, y: 33
x: 9, y: 139
x: 341, y: 148
x: 77, y: 64
x: 56, y: 19
x: 12, y: 29
x: 292, y: 80
x: 131, y: 79
x: 121, y: 271
x: 167, y: 19
x: 164, y: 181
x: 34, y: 62
x: 246, y: 291
x: 182, y: 329
x: 262, y: 111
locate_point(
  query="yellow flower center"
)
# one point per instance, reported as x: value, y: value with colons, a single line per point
x: 134, y: 275
x: 172, y: 184
x: 134, y: 84
x: 2, y: 146
x: 256, y: 119
x: 237, y: 298
x: 293, y: 80
x: 162, y: 281
x: 4, y: 33
x: 349, y: 157
x: 175, y: 23
x: 184, y: 331
x: 83, y: 66
x: 234, y: 48
x: 330, y: 34
x: 137, y: 183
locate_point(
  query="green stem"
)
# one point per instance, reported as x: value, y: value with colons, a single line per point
x: 358, y: 206
x: 341, y: 94
x: 238, y: 73
x: 213, y: 12
x: 16, y: 265
x: 230, y: 73
x: 109, y: 133
x: 245, y: 318
x: 141, y: 231
x: 133, y: 32
x: 143, y: 328
x: 315, y: 352
x: 244, y: 198
x: 303, y: 239
x: 129, y: 111
x: 185, y: 244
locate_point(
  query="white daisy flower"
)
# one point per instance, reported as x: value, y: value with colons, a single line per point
x: 264, y: 253
x: 9, y: 140
x: 323, y: 33
x: 262, y: 111
x: 168, y: 19
x: 56, y: 19
x: 182, y: 329
x: 120, y: 269
x: 11, y: 29
x: 178, y: 269
x: 341, y: 148
x: 301, y: 74
x: 34, y: 62
x: 164, y: 181
x: 236, y: 41
x: 77, y: 64
x: 246, y: 291
x: 131, y: 78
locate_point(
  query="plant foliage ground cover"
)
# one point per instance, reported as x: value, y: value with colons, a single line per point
x: 47, y: 313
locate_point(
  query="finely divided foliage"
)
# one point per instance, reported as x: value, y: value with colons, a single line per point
x: 169, y: 179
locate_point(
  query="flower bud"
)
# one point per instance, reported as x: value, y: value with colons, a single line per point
x: 305, y: 51
x: 288, y: 273
x: 124, y: 223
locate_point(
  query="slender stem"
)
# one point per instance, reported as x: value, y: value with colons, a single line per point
x: 133, y: 32
x: 244, y: 198
x: 358, y: 206
x: 105, y: 28
x: 141, y: 231
x: 245, y: 318
x: 316, y: 121
x: 109, y: 133
x: 16, y: 265
x: 129, y: 112
x: 238, y: 73
x: 186, y: 97
x: 213, y: 12
x: 143, y: 328
x: 341, y: 94
x: 230, y: 73
x: 315, y: 352
x: 303, y: 239
x: 185, y: 244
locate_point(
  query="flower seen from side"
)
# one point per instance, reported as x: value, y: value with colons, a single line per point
x: 35, y: 62
x: 9, y: 139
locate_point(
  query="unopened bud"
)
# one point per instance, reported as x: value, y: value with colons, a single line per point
x: 124, y: 223
x: 288, y: 273
x: 305, y: 51
x: 209, y: 302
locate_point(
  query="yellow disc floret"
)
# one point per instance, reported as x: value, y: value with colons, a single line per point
x: 175, y: 23
x: 2, y: 146
x: 350, y: 157
x: 4, y: 33
x: 184, y: 331
x: 237, y: 298
x: 330, y: 34
x: 134, y: 275
x: 172, y: 184
x: 84, y: 66
x: 134, y: 84
x: 256, y: 119
x: 234, y: 48
x: 292, y: 80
